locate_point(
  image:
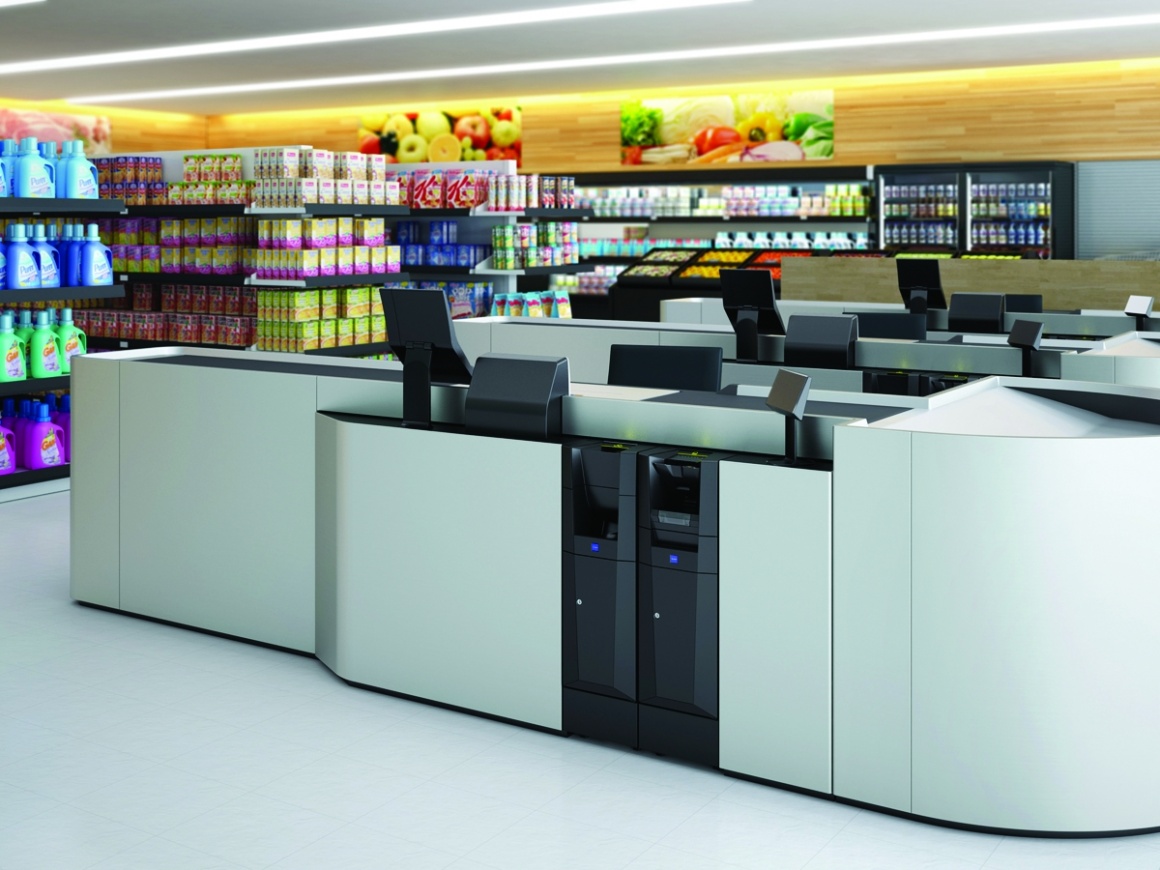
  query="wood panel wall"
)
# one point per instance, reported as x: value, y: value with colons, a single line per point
x: 134, y: 130
x: 1065, y: 284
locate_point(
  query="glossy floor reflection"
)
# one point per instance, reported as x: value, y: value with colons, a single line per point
x: 131, y: 745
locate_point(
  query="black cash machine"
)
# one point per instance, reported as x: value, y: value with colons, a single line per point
x: 640, y: 597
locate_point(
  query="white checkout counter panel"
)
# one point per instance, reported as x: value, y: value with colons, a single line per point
x: 951, y: 619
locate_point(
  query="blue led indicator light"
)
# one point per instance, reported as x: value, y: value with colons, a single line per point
x: 595, y: 548
x: 672, y: 558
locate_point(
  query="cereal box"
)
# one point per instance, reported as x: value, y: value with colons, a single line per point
x: 427, y: 189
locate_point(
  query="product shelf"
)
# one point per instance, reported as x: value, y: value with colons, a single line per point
x: 185, y: 211
x: 16, y: 205
x: 184, y: 278
x: 327, y: 209
x: 34, y: 385
x: 64, y: 294
x: 735, y: 219
x: 22, y: 477
x: 376, y: 279
x: 101, y: 343
x: 353, y: 350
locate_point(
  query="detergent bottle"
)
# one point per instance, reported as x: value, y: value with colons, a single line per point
x: 69, y: 277
x: 8, y: 162
x: 35, y: 176
x: 8, y: 416
x: 96, y: 260
x: 72, y: 339
x: 43, y: 443
x: 12, y: 351
x: 24, y: 330
x: 76, y: 175
x: 21, y: 427
x: 48, y: 152
x: 63, y: 419
x: 7, y: 450
x: 23, y: 261
x: 49, y: 257
x: 3, y: 261
x: 3, y: 179
x: 44, y: 351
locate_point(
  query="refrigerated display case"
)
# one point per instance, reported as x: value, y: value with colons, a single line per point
x: 982, y: 209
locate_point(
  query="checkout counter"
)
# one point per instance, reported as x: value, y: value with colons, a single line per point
x: 942, y: 610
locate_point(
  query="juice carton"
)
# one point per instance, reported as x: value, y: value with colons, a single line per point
x: 343, y: 191
x: 377, y: 192
x: 118, y: 252
x: 330, y: 232
x: 204, y: 261
x: 327, y: 261
x: 378, y: 261
x: 354, y: 302
x: 362, y: 330
x: 215, y: 300
x: 344, y: 235
x: 225, y: 260
x: 291, y: 231
x: 344, y: 261
x: 127, y: 232
x: 208, y: 231
x: 168, y: 298
x: 232, y: 301
x: 362, y: 260
x: 394, y: 258
x: 133, y: 258
x: 378, y: 328
x: 308, y: 264
x: 327, y: 190
x: 345, y: 332
x: 190, y: 233
x: 197, y: 300
x: 150, y: 231
x: 169, y: 233
x: 370, y: 231
x: 394, y: 193
x: 328, y: 303
x: 183, y: 298
x: 376, y: 302
x: 249, y: 302
x: 376, y: 167
x: 360, y: 192
x: 151, y: 258
x: 208, y: 329
x: 328, y: 332
x: 227, y: 231
x: 190, y: 168
x: 142, y: 299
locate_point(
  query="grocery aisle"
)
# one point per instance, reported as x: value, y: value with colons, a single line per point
x: 128, y: 744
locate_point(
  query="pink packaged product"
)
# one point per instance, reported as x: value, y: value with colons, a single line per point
x: 459, y: 188
x: 427, y: 189
x: 150, y: 230
x: 403, y: 180
x: 133, y: 258
x: 376, y: 167
x: 150, y: 258
x: 360, y: 192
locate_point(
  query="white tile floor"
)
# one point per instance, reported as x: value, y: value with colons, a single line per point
x: 131, y: 745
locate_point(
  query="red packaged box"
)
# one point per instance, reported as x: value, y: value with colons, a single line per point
x: 197, y: 300
x: 184, y: 299
x: 232, y: 301
x: 427, y: 189
x: 209, y: 329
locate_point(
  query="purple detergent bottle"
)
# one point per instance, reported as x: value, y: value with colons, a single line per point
x: 44, y: 443
x: 63, y: 419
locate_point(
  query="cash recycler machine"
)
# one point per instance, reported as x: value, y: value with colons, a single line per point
x: 640, y: 597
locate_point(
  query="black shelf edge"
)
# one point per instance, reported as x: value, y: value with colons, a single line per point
x: 565, y: 269
x: 13, y: 205
x: 573, y: 213
x: 610, y: 259
x: 353, y: 350
x: 34, y: 385
x: 102, y: 343
x: 36, y: 475
x: 328, y: 209
x: 182, y: 278
x: 950, y: 219
x: 736, y: 219
x: 62, y: 294
x: 448, y: 212
x: 182, y: 211
x: 370, y: 280
x: 459, y: 271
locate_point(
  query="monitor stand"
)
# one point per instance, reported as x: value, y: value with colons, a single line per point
x: 746, y: 329
x: 417, y: 387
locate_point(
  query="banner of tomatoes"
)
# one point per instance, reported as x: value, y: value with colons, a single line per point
x: 443, y: 137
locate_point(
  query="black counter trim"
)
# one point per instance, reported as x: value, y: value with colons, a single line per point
x: 289, y: 367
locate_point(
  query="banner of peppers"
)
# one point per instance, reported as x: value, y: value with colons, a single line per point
x: 720, y: 130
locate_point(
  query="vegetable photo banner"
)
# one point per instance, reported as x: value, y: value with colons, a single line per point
x: 724, y: 130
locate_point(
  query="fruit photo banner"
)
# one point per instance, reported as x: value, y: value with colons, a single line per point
x: 93, y: 130
x: 723, y: 130
x: 444, y: 137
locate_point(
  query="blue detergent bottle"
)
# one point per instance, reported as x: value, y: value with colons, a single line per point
x: 35, y: 176
x: 49, y: 258
x: 3, y: 261
x: 96, y: 260
x: 70, y: 256
x: 23, y: 261
x: 76, y: 176
x: 8, y: 162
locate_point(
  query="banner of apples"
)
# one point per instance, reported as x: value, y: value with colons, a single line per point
x: 443, y: 137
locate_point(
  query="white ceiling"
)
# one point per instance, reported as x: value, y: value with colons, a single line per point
x: 67, y: 27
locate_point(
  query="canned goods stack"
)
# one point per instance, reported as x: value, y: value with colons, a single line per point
x: 520, y: 192
x: 528, y: 246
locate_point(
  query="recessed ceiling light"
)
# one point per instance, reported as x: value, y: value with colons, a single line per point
x: 642, y: 58
x: 4, y: 3
x: 354, y: 34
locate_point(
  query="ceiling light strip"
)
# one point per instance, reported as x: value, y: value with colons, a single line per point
x: 357, y: 34
x: 630, y: 59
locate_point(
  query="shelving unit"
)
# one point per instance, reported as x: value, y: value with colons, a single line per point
x: 53, y: 294
x: 34, y: 207
x: 33, y: 385
x: 20, y: 477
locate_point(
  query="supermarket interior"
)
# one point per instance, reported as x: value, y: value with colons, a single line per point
x: 795, y: 364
